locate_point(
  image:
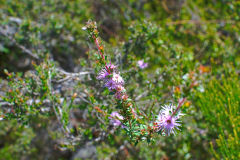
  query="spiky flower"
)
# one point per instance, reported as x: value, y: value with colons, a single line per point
x: 167, y: 123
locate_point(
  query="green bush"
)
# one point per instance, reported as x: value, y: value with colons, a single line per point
x: 49, y: 90
x: 220, y: 104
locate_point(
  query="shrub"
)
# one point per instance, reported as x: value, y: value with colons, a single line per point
x: 220, y: 104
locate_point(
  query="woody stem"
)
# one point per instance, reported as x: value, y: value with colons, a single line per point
x: 179, y: 105
x: 101, y: 54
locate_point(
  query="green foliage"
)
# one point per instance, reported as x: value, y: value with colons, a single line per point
x: 15, y: 140
x: 26, y: 94
x: 188, y: 45
x: 220, y: 103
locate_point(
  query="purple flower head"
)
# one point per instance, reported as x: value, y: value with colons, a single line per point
x: 115, y: 119
x: 166, y: 122
x: 117, y: 78
x: 120, y: 95
x: 167, y: 110
x: 120, y: 89
x: 141, y: 64
x: 111, y: 67
x: 120, y: 92
x: 111, y: 85
x: 103, y: 74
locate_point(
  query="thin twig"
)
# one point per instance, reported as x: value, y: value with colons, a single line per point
x: 59, y: 119
x: 70, y: 75
x: 24, y: 49
x: 179, y: 105
x: 5, y: 104
x: 74, y: 74
x: 200, y: 22
x: 141, y: 95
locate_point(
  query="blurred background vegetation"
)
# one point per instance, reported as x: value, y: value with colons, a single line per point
x: 192, y: 49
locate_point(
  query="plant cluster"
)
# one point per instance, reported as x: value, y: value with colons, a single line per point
x: 133, y: 120
x: 148, y: 62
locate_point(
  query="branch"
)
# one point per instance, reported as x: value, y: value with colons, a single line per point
x: 74, y: 74
x: 200, y: 22
x: 70, y: 75
x: 24, y: 49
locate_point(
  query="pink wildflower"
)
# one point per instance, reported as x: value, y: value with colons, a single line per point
x: 125, y: 97
x: 120, y: 92
x: 120, y: 88
x: 117, y: 78
x: 121, y: 96
x: 166, y: 122
x: 103, y: 74
x: 141, y: 64
x: 115, y: 119
x: 111, y: 85
x: 111, y: 66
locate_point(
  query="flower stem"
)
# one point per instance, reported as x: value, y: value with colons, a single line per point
x: 179, y: 105
x: 101, y: 54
